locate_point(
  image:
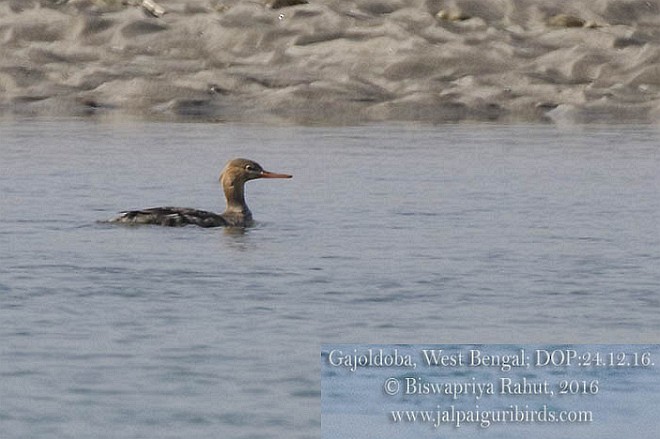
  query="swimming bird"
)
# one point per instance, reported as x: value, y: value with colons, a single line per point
x: 237, y: 214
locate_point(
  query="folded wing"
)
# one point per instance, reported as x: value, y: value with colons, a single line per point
x: 171, y: 216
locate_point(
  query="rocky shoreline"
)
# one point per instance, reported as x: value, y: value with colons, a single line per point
x: 333, y: 62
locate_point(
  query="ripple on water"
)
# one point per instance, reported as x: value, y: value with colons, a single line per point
x: 504, y: 232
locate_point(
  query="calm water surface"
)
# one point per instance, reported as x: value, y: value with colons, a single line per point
x: 618, y: 398
x: 385, y: 234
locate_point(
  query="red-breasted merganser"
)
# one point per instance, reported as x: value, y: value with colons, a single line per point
x: 237, y: 214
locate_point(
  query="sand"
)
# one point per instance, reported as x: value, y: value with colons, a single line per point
x: 334, y: 61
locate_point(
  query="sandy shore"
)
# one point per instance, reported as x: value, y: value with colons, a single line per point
x: 334, y: 61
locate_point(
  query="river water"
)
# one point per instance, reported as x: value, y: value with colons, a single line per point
x: 542, y: 392
x: 414, y: 234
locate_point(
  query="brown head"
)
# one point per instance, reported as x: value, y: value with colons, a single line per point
x: 233, y: 178
x: 242, y: 170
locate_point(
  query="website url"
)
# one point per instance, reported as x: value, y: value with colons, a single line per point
x: 485, y: 418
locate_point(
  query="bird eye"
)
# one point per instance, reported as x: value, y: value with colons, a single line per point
x: 249, y: 168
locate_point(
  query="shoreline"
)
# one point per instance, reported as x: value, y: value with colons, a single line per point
x: 333, y: 63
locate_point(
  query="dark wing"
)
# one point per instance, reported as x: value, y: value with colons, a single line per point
x: 171, y: 217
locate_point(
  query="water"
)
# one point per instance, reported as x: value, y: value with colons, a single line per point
x: 604, y: 391
x: 385, y: 234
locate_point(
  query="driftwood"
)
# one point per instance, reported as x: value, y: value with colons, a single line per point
x: 149, y: 6
x: 153, y: 8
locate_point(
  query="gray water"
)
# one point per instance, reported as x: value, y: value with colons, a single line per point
x: 620, y: 400
x: 385, y: 234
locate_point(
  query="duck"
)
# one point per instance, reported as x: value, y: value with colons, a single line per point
x: 233, y: 177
